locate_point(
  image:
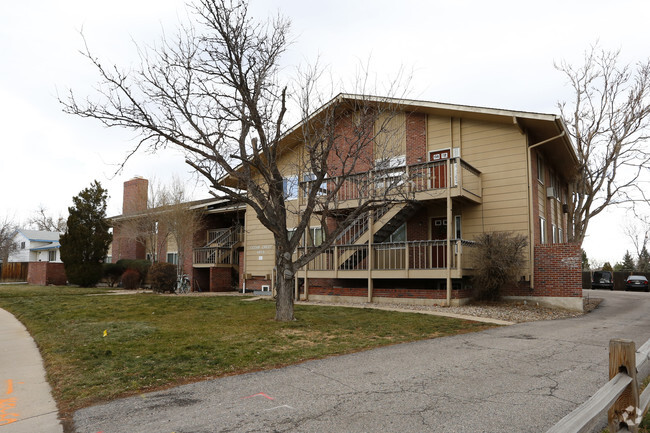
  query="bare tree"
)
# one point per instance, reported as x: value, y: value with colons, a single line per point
x: 41, y: 220
x: 214, y: 93
x: 179, y: 220
x: 7, y: 232
x: 608, y: 121
x: 638, y: 232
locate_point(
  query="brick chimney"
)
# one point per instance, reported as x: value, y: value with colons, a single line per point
x: 135, y: 195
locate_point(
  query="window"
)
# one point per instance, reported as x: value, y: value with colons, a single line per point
x: 22, y: 245
x: 560, y: 235
x: 290, y: 187
x: 555, y: 234
x: 542, y: 230
x: 315, y: 237
x: 51, y: 256
x: 108, y: 259
x: 172, y: 258
x: 555, y: 184
x: 540, y: 169
x: 458, y: 227
x: 308, y: 178
x: 399, y: 235
x: 390, y: 171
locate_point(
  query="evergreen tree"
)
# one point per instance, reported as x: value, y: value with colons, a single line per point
x: 643, y: 262
x: 585, y: 261
x: 628, y: 262
x: 86, y: 240
x: 607, y: 267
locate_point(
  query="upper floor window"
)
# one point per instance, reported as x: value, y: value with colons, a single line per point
x: 542, y: 230
x: 172, y: 258
x: 290, y: 187
x: 458, y: 227
x: 22, y: 245
x: 540, y: 169
x: 309, y: 178
x: 51, y: 256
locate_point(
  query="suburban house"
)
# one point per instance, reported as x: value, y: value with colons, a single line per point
x: 36, y: 246
x: 467, y: 170
x: 37, y: 259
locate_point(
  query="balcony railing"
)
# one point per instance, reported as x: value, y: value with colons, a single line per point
x: 422, y: 255
x: 414, y: 178
x: 219, y: 248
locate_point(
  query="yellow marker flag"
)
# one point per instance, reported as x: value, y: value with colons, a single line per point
x: 105, y: 332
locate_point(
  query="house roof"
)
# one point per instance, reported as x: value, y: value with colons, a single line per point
x: 40, y: 236
x: 208, y: 205
x: 52, y: 246
x: 548, y: 129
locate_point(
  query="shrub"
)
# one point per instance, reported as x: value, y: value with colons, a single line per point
x: 112, y: 273
x: 162, y: 277
x: 498, y: 261
x: 131, y: 279
x: 141, y: 266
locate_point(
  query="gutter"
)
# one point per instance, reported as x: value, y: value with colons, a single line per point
x: 531, y: 203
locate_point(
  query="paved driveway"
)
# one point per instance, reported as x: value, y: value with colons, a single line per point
x: 521, y: 378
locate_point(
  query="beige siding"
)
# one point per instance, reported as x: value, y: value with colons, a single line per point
x: 438, y: 133
x: 391, y: 135
x: 260, y: 246
x: 499, y: 152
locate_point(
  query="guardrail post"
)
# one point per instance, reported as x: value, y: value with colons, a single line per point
x: 622, y: 358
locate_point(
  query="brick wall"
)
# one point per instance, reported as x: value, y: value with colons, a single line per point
x: 347, y: 145
x: 44, y: 273
x: 416, y: 138
x: 557, y: 271
x: 256, y: 284
x: 240, y: 283
x: 135, y: 196
x: 125, y: 247
x: 410, y: 293
x: 220, y: 279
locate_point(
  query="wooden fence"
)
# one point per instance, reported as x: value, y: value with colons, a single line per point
x: 620, y: 397
x: 13, y: 272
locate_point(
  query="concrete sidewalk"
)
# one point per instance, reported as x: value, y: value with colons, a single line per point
x: 26, y: 403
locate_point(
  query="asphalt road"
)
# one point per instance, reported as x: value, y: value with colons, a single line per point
x: 520, y: 378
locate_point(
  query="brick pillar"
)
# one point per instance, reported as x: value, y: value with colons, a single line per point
x: 135, y: 195
x: 558, y: 270
x: 416, y: 138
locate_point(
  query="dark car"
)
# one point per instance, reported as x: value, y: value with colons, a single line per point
x: 637, y: 282
x: 602, y: 280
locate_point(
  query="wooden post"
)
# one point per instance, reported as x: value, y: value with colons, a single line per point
x: 371, y: 234
x: 449, y: 222
x: 622, y: 358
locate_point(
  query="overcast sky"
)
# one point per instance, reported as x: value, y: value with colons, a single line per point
x: 495, y: 54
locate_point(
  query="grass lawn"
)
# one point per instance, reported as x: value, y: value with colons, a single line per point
x: 155, y: 341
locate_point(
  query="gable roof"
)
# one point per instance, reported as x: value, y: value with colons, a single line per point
x: 40, y: 235
x: 547, y: 129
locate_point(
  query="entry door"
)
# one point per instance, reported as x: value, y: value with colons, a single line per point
x: 439, y: 171
x: 439, y: 250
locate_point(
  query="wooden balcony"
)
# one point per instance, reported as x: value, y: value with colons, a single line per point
x: 421, y: 181
x: 221, y: 248
x: 416, y: 259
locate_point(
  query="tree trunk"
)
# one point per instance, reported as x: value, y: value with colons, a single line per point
x: 284, y: 301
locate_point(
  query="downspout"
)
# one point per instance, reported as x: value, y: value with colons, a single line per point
x: 449, y: 234
x: 531, y: 201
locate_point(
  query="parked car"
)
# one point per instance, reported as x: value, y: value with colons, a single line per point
x: 602, y: 280
x: 637, y: 282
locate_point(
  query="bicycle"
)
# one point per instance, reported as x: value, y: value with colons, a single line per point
x: 183, y: 284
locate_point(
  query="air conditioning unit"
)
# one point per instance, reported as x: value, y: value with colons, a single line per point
x: 550, y: 192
